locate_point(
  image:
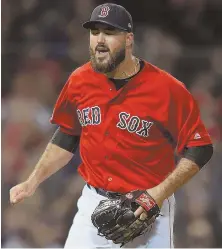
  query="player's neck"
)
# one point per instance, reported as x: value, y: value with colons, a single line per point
x: 129, y: 67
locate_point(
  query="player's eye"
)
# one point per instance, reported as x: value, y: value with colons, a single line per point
x: 109, y: 32
x: 95, y: 31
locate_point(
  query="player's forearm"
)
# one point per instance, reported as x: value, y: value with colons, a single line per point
x: 53, y: 159
x: 184, y: 171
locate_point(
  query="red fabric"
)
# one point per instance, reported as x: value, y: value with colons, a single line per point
x: 64, y: 113
x: 118, y: 152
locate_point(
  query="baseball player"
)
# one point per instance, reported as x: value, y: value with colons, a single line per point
x: 129, y: 118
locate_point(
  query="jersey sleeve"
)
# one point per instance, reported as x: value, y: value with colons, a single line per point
x: 185, y: 118
x: 64, y: 113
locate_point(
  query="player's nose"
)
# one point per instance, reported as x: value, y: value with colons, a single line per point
x: 101, y: 38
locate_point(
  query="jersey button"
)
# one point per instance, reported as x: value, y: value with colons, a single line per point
x: 110, y: 89
x: 107, y: 133
x: 110, y: 179
x: 106, y: 157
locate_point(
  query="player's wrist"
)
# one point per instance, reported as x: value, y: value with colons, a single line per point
x: 157, y: 195
x: 33, y: 183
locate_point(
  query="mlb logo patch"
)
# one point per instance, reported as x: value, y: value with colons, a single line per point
x: 104, y: 11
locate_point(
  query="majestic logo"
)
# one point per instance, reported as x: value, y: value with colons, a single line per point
x: 134, y: 124
x: 89, y: 116
x: 104, y: 11
x: 197, y: 136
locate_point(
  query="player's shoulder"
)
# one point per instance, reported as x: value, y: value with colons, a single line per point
x: 177, y: 88
x: 154, y: 74
x: 150, y: 70
x: 166, y: 84
x: 172, y: 81
x: 162, y: 76
x: 79, y: 76
x: 82, y: 71
x: 166, y: 79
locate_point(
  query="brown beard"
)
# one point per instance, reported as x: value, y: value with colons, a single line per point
x: 115, y: 59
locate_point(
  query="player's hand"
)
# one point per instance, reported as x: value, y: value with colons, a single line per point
x: 21, y: 191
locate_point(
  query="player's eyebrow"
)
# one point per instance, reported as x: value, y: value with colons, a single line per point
x: 104, y: 27
x: 111, y: 28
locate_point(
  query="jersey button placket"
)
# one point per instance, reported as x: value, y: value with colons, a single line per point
x: 111, y: 88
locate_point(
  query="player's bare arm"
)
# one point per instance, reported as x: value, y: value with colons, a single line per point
x: 56, y: 155
x: 186, y: 169
x: 53, y: 159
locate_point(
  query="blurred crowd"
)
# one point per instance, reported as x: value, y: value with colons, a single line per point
x: 42, y: 43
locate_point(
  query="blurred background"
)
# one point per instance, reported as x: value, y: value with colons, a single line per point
x: 42, y: 43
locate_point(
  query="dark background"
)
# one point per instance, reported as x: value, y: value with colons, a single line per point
x: 42, y: 43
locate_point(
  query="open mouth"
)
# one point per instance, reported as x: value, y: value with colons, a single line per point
x: 102, y: 50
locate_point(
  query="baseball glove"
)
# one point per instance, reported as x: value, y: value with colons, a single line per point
x: 115, y: 220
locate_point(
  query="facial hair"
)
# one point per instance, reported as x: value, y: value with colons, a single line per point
x: 109, y: 65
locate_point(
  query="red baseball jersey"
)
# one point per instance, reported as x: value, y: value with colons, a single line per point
x: 121, y: 146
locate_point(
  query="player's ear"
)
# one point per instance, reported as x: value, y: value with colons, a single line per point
x: 129, y: 39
